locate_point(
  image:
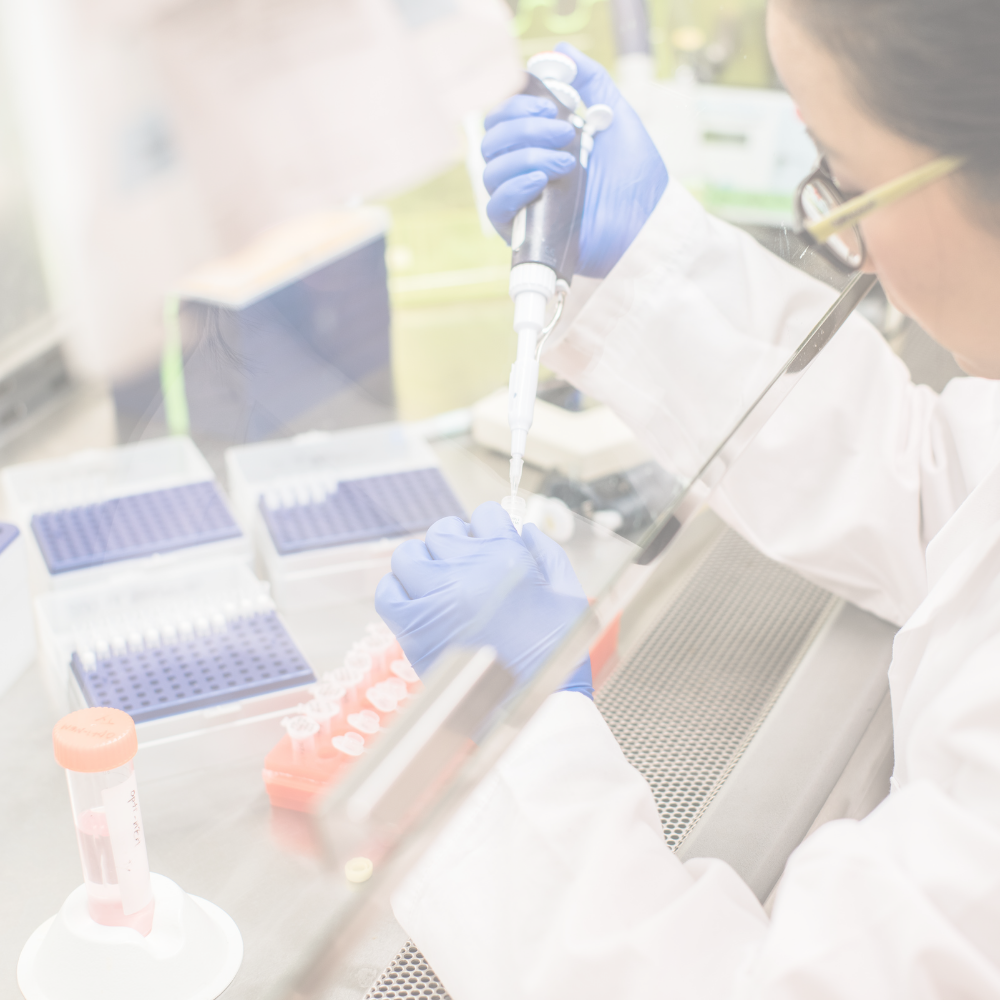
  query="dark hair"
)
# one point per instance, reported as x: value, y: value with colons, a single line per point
x: 927, y: 69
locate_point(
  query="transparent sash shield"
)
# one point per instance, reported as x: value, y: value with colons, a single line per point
x: 400, y: 797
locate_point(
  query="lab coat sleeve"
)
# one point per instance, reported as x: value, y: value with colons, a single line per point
x: 857, y: 470
x: 906, y: 903
x: 554, y: 881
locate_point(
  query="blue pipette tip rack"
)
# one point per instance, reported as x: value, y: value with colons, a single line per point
x: 133, y: 526
x: 247, y: 657
x: 360, y: 510
x: 8, y: 532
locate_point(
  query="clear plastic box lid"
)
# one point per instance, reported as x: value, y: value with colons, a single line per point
x: 96, y: 475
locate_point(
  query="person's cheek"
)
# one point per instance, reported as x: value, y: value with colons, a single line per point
x: 904, y: 254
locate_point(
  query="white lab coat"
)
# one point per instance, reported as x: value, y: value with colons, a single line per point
x: 554, y: 880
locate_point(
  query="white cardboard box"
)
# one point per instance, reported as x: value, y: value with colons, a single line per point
x: 583, y: 444
x: 17, y: 627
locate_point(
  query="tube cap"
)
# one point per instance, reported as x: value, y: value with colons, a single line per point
x: 359, y: 869
x: 95, y: 739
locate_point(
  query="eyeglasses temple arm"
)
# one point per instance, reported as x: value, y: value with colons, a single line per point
x: 856, y: 209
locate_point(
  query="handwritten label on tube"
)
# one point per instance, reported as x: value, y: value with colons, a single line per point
x: 128, y: 844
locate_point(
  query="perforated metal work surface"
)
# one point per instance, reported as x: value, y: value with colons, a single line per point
x: 134, y: 526
x: 407, y: 978
x: 359, y: 510
x: 689, y: 698
x: 238, y: 659
x: 696, y: 689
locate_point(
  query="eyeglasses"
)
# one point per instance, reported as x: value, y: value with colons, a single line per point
x: 829, y: 220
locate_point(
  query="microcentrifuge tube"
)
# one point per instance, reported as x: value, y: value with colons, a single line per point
x: 366, y: 721
x: 350, y: 743
x: 381, y: 645
x: 515, y: 507
x: 96, y: 746
x: 397, y: 687
x: 302, y: 732
x: 322, y: 711
x: 352, y: 679
x: 329, y: 690
x: 382, y: 698
x: 359, y: 657
x: 403, y: 670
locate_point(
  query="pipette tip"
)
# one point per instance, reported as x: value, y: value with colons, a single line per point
x: 516, y: 465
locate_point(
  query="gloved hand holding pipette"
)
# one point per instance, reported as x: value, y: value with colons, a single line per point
x: 483, y: 584
x: 571, y: 187
x: 523, y: 149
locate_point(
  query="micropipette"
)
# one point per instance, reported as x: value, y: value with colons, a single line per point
x: 545, y: 243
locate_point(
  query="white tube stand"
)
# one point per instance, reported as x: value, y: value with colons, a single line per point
x: 193, y: 952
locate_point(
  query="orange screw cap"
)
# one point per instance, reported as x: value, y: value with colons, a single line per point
x: 95, y: 739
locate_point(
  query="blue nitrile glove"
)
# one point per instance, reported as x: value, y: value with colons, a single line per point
x: 626, y: 175
x: 483, y: 584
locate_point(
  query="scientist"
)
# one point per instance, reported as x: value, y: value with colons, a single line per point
x: 554, y: 880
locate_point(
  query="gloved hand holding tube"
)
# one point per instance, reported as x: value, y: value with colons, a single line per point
x: 523, y: 149
x: 483, y: 584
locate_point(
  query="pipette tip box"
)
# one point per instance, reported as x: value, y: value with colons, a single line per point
x: 89, y: 515
x: 327, y: 510
x: 131, y: 527
x: 360, y: 510
x: 198, y: 657
x: 187, y: 669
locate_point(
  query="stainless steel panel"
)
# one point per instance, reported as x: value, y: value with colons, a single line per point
x: 779, y: 784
